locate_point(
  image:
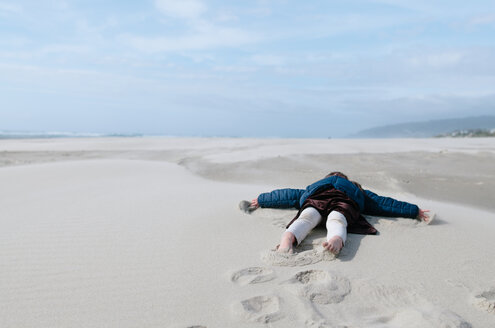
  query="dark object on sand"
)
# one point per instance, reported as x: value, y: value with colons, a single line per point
x: 246, y: 206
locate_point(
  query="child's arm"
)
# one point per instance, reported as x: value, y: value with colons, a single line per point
x: 386, y: 206
x: 279, y: 198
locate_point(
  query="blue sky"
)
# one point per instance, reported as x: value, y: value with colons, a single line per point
x: 243, y: 68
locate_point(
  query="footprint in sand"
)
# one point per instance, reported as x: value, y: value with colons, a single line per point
x: 394, y: 306
x: 253, y: 275
x: 416, y: 318
x: 320, y: 287
x: 302, y: 258
x: 486, y: 300
x: 263, y: 309
x: 322, y: 324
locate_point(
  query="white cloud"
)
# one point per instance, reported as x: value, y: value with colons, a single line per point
x: 269, y: 60
x: 482, y: 20
x: 206, y: 37
x: 190, y: 9
x: 418, y: 5
x: 437, y: 60
x: 14, y: 41
x: 442, y: 10
x: 65, y: 49
x: 10, y: 8
x: 235, y: 69
x: 225, y: 16
x: 202, y: 33
x: 260, y: 12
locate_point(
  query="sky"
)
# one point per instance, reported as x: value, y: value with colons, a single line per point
x: 258, y: 68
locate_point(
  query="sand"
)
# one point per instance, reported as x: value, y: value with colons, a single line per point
x: 146, y: 232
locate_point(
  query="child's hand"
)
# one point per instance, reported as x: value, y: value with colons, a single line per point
x: 249, y: 207
x: 254, y: 203
x: 424, y: 215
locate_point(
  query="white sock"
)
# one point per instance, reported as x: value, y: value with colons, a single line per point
x: 336, y: 226
x: 306, y: 222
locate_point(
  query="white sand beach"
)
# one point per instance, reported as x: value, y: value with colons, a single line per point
x: 146, y: 232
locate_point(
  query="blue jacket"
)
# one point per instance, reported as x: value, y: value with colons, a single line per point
x: 369, y: 203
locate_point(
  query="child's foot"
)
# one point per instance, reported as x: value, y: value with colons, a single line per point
x: 279, y: 249
x: 286, y: 243
x: 334, y: 245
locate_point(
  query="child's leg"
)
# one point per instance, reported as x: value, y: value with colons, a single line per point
x: 300, y: 228
x: 336, y: 232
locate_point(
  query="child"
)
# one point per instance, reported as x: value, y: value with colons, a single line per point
x: 335, y: 202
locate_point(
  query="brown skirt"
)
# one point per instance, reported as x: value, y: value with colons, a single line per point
x: 328, y: 200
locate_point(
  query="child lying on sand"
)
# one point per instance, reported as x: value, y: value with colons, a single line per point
x: 335, y: 202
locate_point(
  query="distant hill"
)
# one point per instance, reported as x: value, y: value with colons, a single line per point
x: 428, y: 129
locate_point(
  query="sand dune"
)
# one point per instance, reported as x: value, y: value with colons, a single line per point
x: 146, y: 232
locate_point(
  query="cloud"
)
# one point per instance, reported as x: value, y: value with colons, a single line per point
x: 200, y: 32
x: 65, y: 49
x: 206, y: 37
x: 482, y: 20
x: 418, y: 5
x: 10, y: 8
x: 189, y: 9
x: 225, y: 16
x: 269, y: 60
x: 235, y: 69
x: 437, y: 60
x: 14, y: 41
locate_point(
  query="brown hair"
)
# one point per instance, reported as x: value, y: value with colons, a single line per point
x: 342, y: 175
x: 337, y: 173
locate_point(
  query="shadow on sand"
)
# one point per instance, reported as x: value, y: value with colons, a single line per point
x: 318, y: 235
